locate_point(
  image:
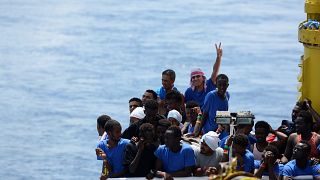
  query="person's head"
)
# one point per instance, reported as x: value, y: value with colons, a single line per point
x: 174, y: 117
x: 304, y: 122
x: 148, y: 95
x: 262, y: 130
x: 161, y: 129
x: 271, y: 149
x: 197, y: 78
x: 147, y: 132
x: 168, y: 78
x: 172, y: 137
x: 137, y: 114
x: 240, y: 143
x: 113, y: 129
x: 173, y: 100
x: 134, y: 103
x: 101, y: 121
x: 209, y: 143
x: 295, y: 111
x: 151, y: 108
x: 301, y: 150
x: 191, y: 113
x: 245, y: 128
x: 222, y: 84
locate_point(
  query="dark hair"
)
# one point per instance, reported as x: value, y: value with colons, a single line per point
x: 151, y: 104
x: 109, y: 126
x: 145, y: 127
x: 308, y: 147
x: 174, y: 95
x: 274, y: 150
x: 222, y: 77
x: 264, y: 125
x: 154, y: 94
x: 176, y: 131
x: 170, y: 73
x: 101, y: 120
x: 137, y: 100
x: 164, y: 122
x: 191, y: 104
x: 241, y: 140
x: 306, y: 116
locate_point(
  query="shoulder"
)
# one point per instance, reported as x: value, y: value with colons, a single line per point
x: 186, y: 148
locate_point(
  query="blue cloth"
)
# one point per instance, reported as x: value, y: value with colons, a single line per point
x: 223, y: 134
x: 292, y: 170
x: 199, y: 96
x: 115, y: 155
x: 190, y: 128
x: 277, y: 168
x: 173, y: 162
x: 248, y: 160
x: 162, y: 92
x: 212, y: 104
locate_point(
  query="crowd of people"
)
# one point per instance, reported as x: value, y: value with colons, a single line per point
x: 175, y: 135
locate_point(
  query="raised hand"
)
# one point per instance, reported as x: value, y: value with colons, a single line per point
x: 219, y: 50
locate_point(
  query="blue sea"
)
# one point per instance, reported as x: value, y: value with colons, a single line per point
x: 64, y: 63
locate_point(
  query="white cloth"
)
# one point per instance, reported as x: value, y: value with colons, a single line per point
x: 211, y: 139
x: 175, y: 114
x: 138, y: 112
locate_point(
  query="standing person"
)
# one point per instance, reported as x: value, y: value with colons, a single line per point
x: 301, y: 164
x: 168, y: 78
x: 192, y: 111
x: 304, y: 124
x: 209, y: 155
x: 101, y: 121
x: 199, y: 85
x: 215, y: 101
x: 174, y: 159
x: 139, y: 156
x: 112, y: 150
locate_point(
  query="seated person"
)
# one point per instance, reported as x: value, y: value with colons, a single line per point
x: 136, y: 115
x: 209, y: 155
x: 268, y: 167
x: 112, y: 150
x: 174, y: 159
x: 139, y: 156
x: 300, y: 166
x: 175, y: 118
x: 262, y: 130
x: 245, y: 159
x: 193, y: 112
x: 161, y: 129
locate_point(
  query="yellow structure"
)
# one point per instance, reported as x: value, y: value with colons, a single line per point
x: 309, y: 77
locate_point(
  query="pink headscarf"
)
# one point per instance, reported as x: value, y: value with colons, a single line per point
x: 195, y: 72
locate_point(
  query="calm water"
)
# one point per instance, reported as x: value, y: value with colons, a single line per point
x: 63, y: 63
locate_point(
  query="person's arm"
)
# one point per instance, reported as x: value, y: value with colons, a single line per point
x: 289, y: 149
x: 199, y: 123
x: 135, y: 162
x: 226, y: 148
x: 216, y: 66
x: 261, y: 169
x: 313, y: 112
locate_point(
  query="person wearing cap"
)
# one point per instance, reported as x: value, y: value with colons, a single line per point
x: 137, y: 114
x: 199, y: 85
x: 175, y: 118
x: 209, y: 155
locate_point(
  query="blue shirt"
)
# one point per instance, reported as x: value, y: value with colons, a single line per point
x: 162, y: 92
x: 223, y: 134
x: 248, y: 160
x: 292, y: 170
x: 173, y: 162
x: 212, y: 104
x: 190, y: 128
x: 115, y: 155
x: 251, y: 140
x: 277, y: 168
x: 199, y: 96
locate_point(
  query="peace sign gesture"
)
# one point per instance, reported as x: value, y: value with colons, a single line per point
x: 219, y: 50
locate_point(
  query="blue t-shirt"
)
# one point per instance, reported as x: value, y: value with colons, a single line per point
x: 173, y: 162
x: 277, y: 168
x: 292, y: 170
x: 223, y: 134
x: 248, y: 160
x: 212, y: 104
x: 199, y: 96
x: 114, y: 155
x: 162, y: 92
